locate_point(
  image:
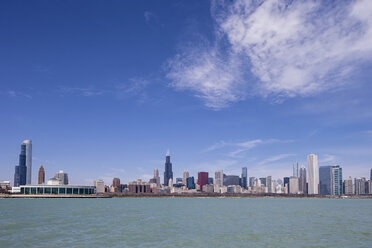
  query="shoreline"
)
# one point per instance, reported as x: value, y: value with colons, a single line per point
x: 198, y: 195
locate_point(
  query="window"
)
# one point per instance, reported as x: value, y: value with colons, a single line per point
x: 81, y: 191
x: 62, y: 190
x: 27, y: 191
x: 55, y: 191
x: 69, y: 191
x: 33, y: 191
x: 76, y: 191
x: 40, y: 191
x: 47, y: 191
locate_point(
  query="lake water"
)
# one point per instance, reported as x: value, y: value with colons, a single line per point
x: 191, y: 222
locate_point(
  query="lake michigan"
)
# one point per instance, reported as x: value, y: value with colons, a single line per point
x: 186, y: 222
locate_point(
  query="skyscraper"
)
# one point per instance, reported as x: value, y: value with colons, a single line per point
x: 269, y: 184
x: 156, y: 176
x: 190, y: 183
x: 61, y: 176
x: 218, y: 178
x: 313, y: 172
x: 184, y: 178
x: 41, y: 176
x: 295, y: 169
x: 168, y: 173
x: 20, y: 173
x: 302, y: 180
x: 348, y: 186
x: 251, y: 181
x: 27, y: 144
x: 202, y: 179
x: 116, y: 182
x: 330, y: 180
x: 244, y: 179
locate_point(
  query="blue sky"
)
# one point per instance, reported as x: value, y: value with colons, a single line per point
x: 103, y: 89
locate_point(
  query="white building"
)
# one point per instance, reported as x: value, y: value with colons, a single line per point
x: 100, y: 186
x: 28, y: 145
x: 184, y: 178
x: 218, y: 178
x: 294, y: 185
x: 313, y: 172
x: 348, y: 186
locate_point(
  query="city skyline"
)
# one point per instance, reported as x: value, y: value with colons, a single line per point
x: 104, y: 89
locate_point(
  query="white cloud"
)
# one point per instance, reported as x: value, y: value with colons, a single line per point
x: 326, y: 158
x: 243, y: 146
x: 276, y: 158
x: 293, y: 49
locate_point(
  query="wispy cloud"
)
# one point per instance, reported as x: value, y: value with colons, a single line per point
x: 18, y: 94
x: 243, y: 146
x: 326, y: 158
x: 293, y: 48
x: 276, y: 158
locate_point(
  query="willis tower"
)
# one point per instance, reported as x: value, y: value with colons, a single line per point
x: 168, y: 173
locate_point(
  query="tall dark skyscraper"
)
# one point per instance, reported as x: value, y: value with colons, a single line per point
x: 20, y: 173
x: 302, y: 181
x: 244, y: 179
x: 168, y: 173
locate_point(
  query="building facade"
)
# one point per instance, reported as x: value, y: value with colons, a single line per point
x: 168, y: 172
x: 330, y: 180
x: 348, y: 186
x: 184, y: 177
x: 190, y: 183
x: 202, y: 179
x: 41, y: 175
x: 218, y: 178
x: 244, y: 178
x: 313, y: 173
x: 302, y: 180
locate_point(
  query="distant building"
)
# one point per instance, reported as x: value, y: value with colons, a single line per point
x: 269, y: 184
x: 231, y: 180
x: 294, y: 185
x: 348, y: 186
x: 210, y: 180
x: 244, y: 178
x: 313, y: 173
x: 302, y: 180
x: 208, y: 188
x: 139, y: 187
x: 218, y: 178
x: 202, y: 179
x: 185, y: 176
x: 251, y: 181
x: 295, y: 169
x: 190, y: 183
x: 178, y: 180
x: 156, y: 177
x: 41, y: 176
x: 168, y: 172
x: 286, y: 183
x: 116, y: 182
x: 330, y: 180
x: 370, y: 178
x: 99, y: 185
x: 263, y: 181
x: 63, y: 177
x: 22, y: 172
x: 360, y: 186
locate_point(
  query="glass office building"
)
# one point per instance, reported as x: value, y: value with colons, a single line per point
x: 57, y: 190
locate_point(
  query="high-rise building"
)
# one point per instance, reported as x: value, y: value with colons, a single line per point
x: 62, y: 177
x: 263, y: 181
x: 210, y: 180
x: 360, y: 186
x: 231, y: 180
x: 41, y: 176
x: 348, y: 186
x: 313, y: 172
x: 190, y: 183
x: 22, y: 173
x: 27, y: 144
x: 179, y: 180
x: 293, y: 185
x: 185, y: 176
x: 168, y: 173
x: 202, y: 179
x: 116, y: 182
x: 251, y: 181
x: 100, y: 186
x: 156, y: 176
x: 302, y: 180
x: 286, y: 183
x: 269, y: 184
x: 330, y: 180
x: 370, y: 178
x: 244, y: 178
x: 218, y: 178
x: 295, y: 169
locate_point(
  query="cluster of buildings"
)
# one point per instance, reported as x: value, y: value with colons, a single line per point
x: 313, y: 180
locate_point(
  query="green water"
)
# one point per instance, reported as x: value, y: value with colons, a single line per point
x: 175, y: 222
